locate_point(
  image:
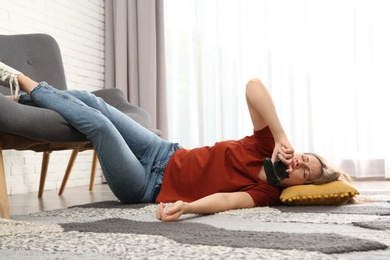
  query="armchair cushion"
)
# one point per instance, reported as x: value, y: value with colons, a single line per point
x: 36, y: 123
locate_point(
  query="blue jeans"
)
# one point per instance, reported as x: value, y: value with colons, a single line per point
x: 133, y: 159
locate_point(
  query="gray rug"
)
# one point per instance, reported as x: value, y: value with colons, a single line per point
x: 201, y: 234
x: 380, y: 209
x: 111, y: 230
x: 378, y: 225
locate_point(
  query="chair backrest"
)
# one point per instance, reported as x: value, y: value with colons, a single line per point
x: 26, y: 52
x: 39, y: 57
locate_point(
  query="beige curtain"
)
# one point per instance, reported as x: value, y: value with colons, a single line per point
x: 135, y: 54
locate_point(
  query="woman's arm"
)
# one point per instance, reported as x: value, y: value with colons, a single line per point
x: 214, y: 203
x: 263, y: 112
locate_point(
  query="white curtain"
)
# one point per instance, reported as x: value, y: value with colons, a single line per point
x: 326, y: 64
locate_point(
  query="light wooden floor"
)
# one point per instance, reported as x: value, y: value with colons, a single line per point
x: 21, y: 204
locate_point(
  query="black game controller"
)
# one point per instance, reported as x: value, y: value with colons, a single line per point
x: 275, y: 172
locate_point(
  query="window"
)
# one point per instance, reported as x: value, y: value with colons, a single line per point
x: 326, y: 64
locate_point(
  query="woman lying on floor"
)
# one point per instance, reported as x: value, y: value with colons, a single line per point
x: 140, y: 167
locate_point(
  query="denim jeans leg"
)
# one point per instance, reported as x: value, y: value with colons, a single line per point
x: 123, y: 171
x: 25, y: 99
x: 152, y: 151
x: 138, y: 143
x: 137, y: 137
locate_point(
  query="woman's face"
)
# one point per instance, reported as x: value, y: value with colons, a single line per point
x: 305, y: 168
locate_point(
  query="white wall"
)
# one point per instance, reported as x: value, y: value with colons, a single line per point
x: 78, y: 26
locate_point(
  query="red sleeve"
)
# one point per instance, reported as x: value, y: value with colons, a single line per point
x: 264, y: 194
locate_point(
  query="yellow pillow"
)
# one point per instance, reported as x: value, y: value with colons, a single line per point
x: 332, y: 193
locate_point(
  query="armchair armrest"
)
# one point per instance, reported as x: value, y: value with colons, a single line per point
x: 116, y: 98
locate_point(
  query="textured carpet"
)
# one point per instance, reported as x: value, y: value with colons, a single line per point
x: 201, y: 234
x: 111, y: 230
x: 378, y: 225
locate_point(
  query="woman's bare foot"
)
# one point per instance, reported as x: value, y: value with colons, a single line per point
x: 16, y: 80
x: 26, y: 83
x: 14, y: 98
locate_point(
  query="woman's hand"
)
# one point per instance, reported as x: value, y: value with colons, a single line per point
x: 210, y: 204
x: 263, y: 112
x: 171, y: 214
x: 285, y: 152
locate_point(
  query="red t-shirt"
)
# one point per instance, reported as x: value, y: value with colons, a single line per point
x: 228, y: 166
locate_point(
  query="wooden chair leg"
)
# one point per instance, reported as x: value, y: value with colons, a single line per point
x: 93, y: 170
x: 4, y: 206
x: 72, y: 159
x: 45, y: 165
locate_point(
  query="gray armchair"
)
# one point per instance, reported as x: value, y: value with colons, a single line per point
x: 38, y: 129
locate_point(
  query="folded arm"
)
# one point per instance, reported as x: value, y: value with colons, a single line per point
x: 214, y: 203
x: 262, y: 111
